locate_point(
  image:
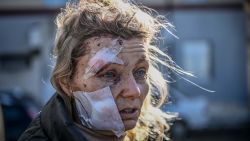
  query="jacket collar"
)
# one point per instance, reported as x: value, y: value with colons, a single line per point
x: 58, y: 122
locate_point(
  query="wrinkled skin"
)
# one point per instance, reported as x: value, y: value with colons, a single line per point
x: 128, y: 82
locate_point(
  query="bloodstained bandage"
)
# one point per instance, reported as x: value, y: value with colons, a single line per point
x: 103, y: 57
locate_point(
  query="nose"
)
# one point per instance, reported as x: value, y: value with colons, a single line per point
x: 130, y: 88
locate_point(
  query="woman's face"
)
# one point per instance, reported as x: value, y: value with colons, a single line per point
x: 128, y: 81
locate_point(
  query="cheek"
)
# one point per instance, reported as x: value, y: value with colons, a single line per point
x: 94, y: 84
x: 91, y: 84
x: 144, y: 88
x: 78, y: 83
x: 88, y: 85
x: 117, y: 89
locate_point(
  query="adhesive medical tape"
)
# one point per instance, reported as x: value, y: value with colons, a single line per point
x: 103, y: 57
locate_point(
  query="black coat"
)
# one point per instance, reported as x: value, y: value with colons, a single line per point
x: 56, y: 123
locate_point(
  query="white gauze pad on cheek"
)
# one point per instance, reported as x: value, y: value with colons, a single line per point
x: 102, y: 57
x: 98, y: 110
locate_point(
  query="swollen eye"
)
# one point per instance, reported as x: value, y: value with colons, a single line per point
x: 109, y: 75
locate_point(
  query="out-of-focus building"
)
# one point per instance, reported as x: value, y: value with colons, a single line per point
x: 213, y: 44
x: 27, y: 32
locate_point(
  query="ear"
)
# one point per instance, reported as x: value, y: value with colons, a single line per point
x: 65, y: 86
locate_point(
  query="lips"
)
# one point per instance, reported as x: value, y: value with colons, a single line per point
x: 129, y: 113
x: 128, y: 110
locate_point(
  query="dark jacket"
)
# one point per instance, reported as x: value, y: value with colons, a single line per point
x: 58, y: 122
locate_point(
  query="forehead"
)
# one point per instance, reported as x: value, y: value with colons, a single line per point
x: 94, y: 44
x: 131, y: 52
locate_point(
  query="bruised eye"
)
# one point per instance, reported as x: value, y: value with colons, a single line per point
x: 110, y: 75
x: 141, y: 73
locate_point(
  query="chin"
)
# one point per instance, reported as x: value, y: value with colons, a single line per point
x: 129, y: 124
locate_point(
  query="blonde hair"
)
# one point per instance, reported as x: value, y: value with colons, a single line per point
x: 89, y: 18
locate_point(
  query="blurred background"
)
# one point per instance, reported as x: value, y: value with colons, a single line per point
x: 213, y: 44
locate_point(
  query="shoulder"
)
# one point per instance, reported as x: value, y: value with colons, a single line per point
x: 34, y: 132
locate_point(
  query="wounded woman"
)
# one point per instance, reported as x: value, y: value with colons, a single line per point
x: 107, y: 83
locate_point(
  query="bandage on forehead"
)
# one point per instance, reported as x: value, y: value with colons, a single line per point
x: 103, y: 57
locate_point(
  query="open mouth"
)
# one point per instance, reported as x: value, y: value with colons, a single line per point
x: 128, y: 110
x: 129, y: 113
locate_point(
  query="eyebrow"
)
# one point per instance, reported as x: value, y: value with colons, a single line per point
x: 141, y: 60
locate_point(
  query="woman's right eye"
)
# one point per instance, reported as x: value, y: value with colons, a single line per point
x: 109, y: 75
